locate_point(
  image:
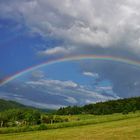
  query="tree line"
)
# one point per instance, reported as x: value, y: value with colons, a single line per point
x: 102, y: 108
x: 28, y: 117
x: 17, y: 117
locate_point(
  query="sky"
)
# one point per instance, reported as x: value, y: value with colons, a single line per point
x: 57, y: 32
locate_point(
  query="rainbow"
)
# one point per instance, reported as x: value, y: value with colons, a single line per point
x: 70, y: 58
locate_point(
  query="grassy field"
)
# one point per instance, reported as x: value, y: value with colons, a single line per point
x: 90, y: 127
x: 128, y: 129
x: 74, y: 120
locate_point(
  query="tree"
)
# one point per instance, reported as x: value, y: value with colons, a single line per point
x: 3, y: 119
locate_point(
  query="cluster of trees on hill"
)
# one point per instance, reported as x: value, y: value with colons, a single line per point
x: 26, y: 117
x: 102, y: 108
x: 16, y: 114
x: 19, y: 117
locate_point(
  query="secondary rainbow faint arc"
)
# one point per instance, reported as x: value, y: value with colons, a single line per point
x: 69, y: 58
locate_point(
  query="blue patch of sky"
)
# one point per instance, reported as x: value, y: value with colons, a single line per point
x: 63, y: 71
x: 66, y: 71
x: 19, y: 46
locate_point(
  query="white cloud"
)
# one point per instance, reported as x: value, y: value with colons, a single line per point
x: 73, y: 92
x: 96, y: 96
x: 48, y: 93
x: 38, y: 104
x: 54, y: 83
x: 59, y: 50
x: 71, y: 100
x: 104, y: 23
x: 95, y: 75
x: 104, y: 88
x: 37, y: 74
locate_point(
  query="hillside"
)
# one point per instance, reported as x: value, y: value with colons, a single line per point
x: 5, y: 105
x: 8, y: 104
x: 101, y: 108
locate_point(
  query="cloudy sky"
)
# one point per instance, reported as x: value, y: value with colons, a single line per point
x: 38, y: 31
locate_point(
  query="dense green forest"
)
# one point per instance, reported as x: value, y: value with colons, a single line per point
x: 102, y: 108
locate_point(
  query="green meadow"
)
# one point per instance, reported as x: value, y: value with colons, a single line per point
x: 88, y: 127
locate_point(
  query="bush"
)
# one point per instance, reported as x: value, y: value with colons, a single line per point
x: 125, y: 112
x: 42, y: 127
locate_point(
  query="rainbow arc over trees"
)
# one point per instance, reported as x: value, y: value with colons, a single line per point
x: 70, y: 58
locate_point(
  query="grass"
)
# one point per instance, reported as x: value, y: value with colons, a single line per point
x: 128, y: 129
x: 82, y: 120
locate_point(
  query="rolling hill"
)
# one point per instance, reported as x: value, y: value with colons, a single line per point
x: 6, y: 104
